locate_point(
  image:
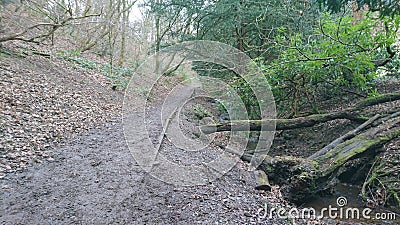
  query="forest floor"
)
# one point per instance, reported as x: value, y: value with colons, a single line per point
x: 94, y: 180
x: 64, y: 159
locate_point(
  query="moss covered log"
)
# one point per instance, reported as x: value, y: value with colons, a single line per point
x: 352, y: 114
x: 302, y: 177
x: 299, y: 177
x: 280, y: 124
x: 389, y: 97
x: 369, y: 140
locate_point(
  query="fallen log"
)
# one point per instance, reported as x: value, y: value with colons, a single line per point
x: 352, y: 114
x: 343, y: 138
x: 280, y: 124
x: 389, y: 97
x: 301, y: 178
x: 370, y: 139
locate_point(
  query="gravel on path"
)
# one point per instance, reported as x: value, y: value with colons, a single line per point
x: 95, y: 180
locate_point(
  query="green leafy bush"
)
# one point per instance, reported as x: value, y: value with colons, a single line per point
x: 118, y: 75
x: 199, y: 111
x: 75, y: 57
x: 339, y: 55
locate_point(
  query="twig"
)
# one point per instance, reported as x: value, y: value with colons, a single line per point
x: 338, y: 39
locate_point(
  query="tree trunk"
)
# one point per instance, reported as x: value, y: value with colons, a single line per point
x: 125, y: 22
x: 300, y: 178
x: 157, y: 40
x: 281, y: 124
x: 301, y: 122
x: 378, y: 100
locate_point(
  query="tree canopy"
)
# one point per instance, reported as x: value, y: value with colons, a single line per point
x: 385, y: 7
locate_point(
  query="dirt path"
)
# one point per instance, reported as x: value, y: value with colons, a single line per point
x: 95, y: 180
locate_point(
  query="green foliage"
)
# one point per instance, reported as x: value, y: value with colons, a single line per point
x: 246, y: 94
x: 199, y: 111
x: 220, y: 107
x: 339, y: 54
x: 80, y: 62
x: 69, y: 54
x: 373, y: 93
x: 144, y: 91
x: 392, y: 68
x: 84, y: 63
x: 4, y: 52
x: 303, y: 58
x: 240, y: 87
x: 118, y: 75
x: 251, y: 26
x: 384, y: 7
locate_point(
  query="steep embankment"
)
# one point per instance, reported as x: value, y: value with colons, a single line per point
x: 45, y: 101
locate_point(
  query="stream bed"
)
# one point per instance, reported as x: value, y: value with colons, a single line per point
x: 346, y: 204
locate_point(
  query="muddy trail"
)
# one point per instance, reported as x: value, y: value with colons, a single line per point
x: 87, y: 174
x: 94, y: 179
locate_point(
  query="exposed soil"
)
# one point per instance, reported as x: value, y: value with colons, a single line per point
x: 95, y: 180
x: 83, y: 171
x: 64, y: 159
x: 306, y: 141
